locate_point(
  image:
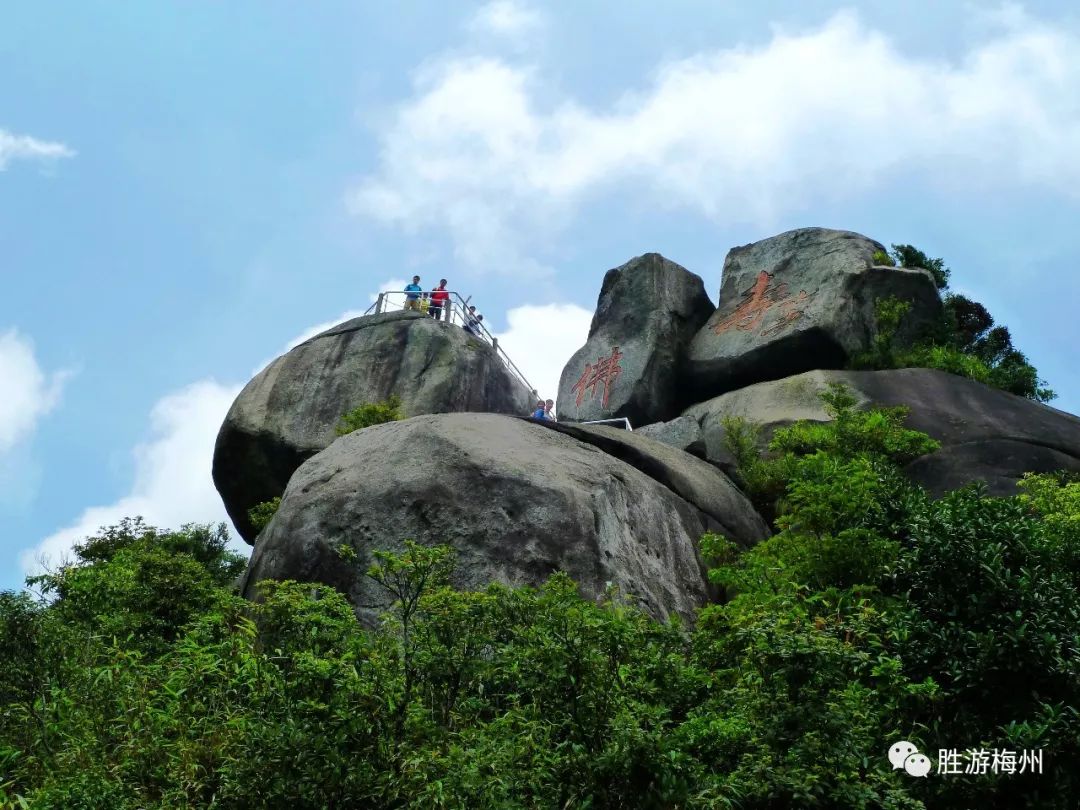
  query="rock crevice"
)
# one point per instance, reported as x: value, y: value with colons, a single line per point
x: 695, y: 481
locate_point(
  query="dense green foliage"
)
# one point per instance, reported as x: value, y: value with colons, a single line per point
x: 141, y: 584
x: 967, y: 342
x: 975, y: 598
x: 873, y: 614
x: 262, y: 513
x: 911, y: 256
x: 883, y: 259
x: 973, y: 332
x: 371, y: 413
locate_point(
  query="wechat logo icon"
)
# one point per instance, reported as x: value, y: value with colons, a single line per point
x: 905, y: 755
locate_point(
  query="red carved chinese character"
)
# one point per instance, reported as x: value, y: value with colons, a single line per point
x: 604, y: 372
x: 790, y: 311
x: 750, y: 314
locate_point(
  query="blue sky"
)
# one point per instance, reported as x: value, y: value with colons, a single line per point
x: 188, y: 188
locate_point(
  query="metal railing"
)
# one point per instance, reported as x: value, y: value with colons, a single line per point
x: 454, y: 311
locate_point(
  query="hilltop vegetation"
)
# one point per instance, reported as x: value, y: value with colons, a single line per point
x: 873, y: 615
x: 967, y: 342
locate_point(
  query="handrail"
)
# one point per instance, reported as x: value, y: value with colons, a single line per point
x: 456, y: 313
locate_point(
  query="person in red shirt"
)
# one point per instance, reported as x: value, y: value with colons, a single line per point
x: 440, y: 300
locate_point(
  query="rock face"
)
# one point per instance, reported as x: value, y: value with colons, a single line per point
x: 291, y: 409
x: 799, y: 301
x: 520, y: 499
x: 698, y: 483
x: 986, y: 434
x: 648, y: 311
x: 686, y: 432
x: 517, y: 500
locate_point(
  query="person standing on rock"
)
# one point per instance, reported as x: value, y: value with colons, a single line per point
x: 412, y: 294
x: 549, y: 409
x: 440, y: 300
x: 472, y: 322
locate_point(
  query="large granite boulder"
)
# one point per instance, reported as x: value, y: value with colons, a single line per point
x: 518, y: 501
x: 648, y: 311
x: 697, y: 482
x: 986, y: 434
x: 799, y: 301
x: 291, y: 409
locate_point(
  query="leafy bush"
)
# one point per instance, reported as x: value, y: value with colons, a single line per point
x: 989, y: 608
x: 503, y: 697
x: 967, y: 342
x: 888, y: 314
x: 799, y: 691
x: 883, y: 259
x: 371, y: 413
x: 911, y: 256
x: 974, y: 602
x: 945, y: 358
x: 876, y: 432
x: 852, y: 436
x: 762, y: 479
x: 261, y: 514
x: 141, y: 584
x: 1055, y: 500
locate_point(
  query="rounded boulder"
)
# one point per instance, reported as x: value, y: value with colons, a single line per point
x: 805, y: 299
x: 516, y: 501
x: 292, y: 408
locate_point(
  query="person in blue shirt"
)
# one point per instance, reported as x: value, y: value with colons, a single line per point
x: 412, y: 294
x: 539, y: 412
x: 472, y: 322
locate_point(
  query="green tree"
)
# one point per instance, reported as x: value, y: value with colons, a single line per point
x: 874, y: 613
x: 975, y: 602
x: 973, y: 333
x: 966, y: 343
x: 137, y: 582
x: 911, y: 256
x: 261, y: 514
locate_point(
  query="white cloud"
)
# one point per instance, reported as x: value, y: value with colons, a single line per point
x: 172, y: 483
x: 506, y: 18
x: 28, y: 392
x: 318, y: 328
x: 347, y: 315
x: 388, y: 285
x: 23, y: 147
x: 540, y: 339
x: 743, y: 133
x: 393, y: 285
x: 456, y: 158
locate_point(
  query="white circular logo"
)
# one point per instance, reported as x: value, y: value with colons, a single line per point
x: 905, y: 756
x: 917, y: 764
x: 899, y: 752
